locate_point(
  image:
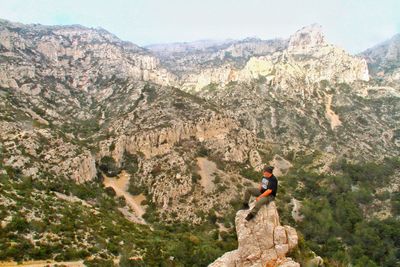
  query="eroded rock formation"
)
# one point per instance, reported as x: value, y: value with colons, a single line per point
x: 307, y: 59
x: 263, y: 241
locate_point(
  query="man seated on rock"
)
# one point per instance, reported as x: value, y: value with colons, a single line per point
x: 264, y: 194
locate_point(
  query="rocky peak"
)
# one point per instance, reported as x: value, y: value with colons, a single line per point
x: 386, y: 51
x: 73, y: 54
x: 64, y: 34
x: 383, y: 59
x: 307, y: 37
x: 262, y: 241
x: 305, y: 59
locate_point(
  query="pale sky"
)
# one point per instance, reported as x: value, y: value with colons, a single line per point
x: 351, y: 24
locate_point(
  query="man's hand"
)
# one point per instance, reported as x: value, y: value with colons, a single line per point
x: 266, y: 193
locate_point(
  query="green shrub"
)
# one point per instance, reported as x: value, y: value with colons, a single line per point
x: 130, y: 163
x: 250, y: 174
x: 110, y: 191
x: 122, y: 201
x: 109, y: 166
x: 334, y: 224
x: 203, y: 152
x: 195, y: 178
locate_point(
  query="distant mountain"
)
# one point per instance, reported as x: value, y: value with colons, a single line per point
x: 384, y: 59
x: 179, y: 47
x: 181, y: 58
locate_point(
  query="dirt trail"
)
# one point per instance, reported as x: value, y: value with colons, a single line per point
x: 120, y: 186
x: 43, y: 264
x: 331, y: 115
x: 207, y: 170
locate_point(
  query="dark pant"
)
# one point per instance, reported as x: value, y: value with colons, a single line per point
x: 263, y: 201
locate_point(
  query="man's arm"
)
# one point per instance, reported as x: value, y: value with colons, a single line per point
x: 266, y: 193
x: 271, y: 186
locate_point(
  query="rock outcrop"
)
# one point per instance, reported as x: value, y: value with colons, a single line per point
x: 262, y: 241
x: 306, y: 60
x: 306, y: 38
x: 76, y: 55
x: 383, y: 59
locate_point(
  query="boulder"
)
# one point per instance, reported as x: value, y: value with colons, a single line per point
x: 262, y: 241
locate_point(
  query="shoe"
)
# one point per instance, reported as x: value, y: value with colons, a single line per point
x: 245, y: 206
x: 249, y: 216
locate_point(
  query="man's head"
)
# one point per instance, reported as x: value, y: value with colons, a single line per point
x: 268, y: 171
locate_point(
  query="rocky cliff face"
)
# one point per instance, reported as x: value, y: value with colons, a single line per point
x: 185, y: 58
x: 306, y: 58
x: 383, y: 59
x: 262, y: 241
x: 37, y: 152
x: 308, y: 95
x: 75, y: 55
x: 51, y: 79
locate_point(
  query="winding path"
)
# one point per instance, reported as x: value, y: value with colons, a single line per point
x: 120, y: 186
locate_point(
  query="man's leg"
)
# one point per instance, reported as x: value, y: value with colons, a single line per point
x: 251, y: 191
x: 263, y: 201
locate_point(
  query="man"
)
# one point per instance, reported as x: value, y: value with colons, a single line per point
x: 264, y: 194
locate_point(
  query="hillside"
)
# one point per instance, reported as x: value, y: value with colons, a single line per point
x: 95, y: 131
x: 383, y: 59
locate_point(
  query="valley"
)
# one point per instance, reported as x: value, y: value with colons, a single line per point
x: 111, y: 151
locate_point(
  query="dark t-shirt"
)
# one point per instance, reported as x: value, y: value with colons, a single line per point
x: 269, y: 183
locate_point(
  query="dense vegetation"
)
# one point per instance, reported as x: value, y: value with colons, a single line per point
x: 341, y: 221
x: 44, y: 226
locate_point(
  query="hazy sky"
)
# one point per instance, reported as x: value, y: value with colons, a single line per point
x: 352, y: 24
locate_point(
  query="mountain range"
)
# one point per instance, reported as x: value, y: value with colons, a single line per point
x: 183, y: 121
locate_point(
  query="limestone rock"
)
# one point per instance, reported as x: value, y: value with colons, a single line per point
x: 86, y: 168
x: 307, y: 37
x: 262, y: 241
x: 280, y: 235
x: 281, y: 250
x: 383, y: 59
x: 281, y: 165
x: 308, y: 59
x: 291, y: 236
x: 316, y: 262
x: 255, y: 160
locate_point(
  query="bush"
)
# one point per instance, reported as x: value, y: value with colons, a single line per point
x: 334, y: 207
x: 203, y: 152
x: 110, y: 191
x: 156, y: 170
x: 195, y: 177
x: 134, y: 188
x: 130, y: 163
x: 18, y: 223
x: 250, y: 174
x: 109, y: 166
x: 122, y: 201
